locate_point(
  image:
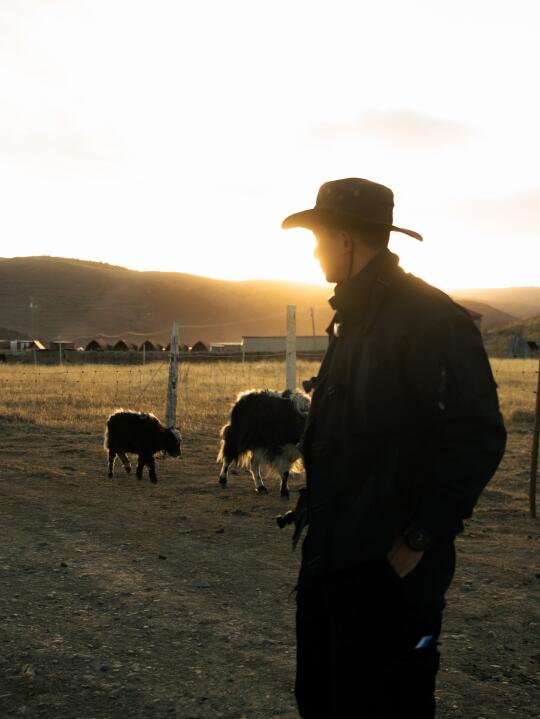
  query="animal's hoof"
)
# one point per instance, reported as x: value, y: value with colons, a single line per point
x: 261, y: 490
x: 284, y: 493
x: 153, y: 480
x: 223, y: 482
x: 128, y: 469
x: 138, y: 475
x: 109, y: 475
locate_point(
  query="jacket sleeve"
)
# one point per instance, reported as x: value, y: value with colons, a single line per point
x: 453, y: 388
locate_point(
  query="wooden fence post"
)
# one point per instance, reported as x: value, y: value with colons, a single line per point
x: 172, y: 387
x: 534, y: 458
x: 290, y: 350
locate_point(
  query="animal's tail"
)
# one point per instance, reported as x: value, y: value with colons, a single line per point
x: 225, y: 435
x: 228, y: 449
x: 110, y: 423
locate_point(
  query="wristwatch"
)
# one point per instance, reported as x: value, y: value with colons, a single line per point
x: 417, y: 538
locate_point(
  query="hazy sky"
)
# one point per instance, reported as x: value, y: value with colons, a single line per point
x: 176, y: 135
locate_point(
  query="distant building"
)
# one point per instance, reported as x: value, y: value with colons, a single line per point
x: 200, y: 347
x: 97, y: 344
x: 519, y: 347
x: 20, y: 345
x: 276, y: 345
x: 122, y: 346
x: 226, y: 347
x: 61, y: 345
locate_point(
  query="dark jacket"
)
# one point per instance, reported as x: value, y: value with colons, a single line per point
x: 404, y: 424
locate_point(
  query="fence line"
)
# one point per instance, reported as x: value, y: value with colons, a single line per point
x: 81, y: 396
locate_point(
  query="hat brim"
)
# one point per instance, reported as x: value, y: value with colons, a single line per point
x: 319, y: 217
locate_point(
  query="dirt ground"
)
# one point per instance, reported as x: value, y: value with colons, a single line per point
x: 126, y: 599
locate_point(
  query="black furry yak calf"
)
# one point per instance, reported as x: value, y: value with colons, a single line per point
x: 142, y: 434
x: 264, y: 428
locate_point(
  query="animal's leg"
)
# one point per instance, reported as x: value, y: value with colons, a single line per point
x: 112, y: 457
x: 223, y: 473
x: 125, y: 461
x: 152, y: 469
x: 284, y: 488
x: 140, y: 466
x: 255, y: 469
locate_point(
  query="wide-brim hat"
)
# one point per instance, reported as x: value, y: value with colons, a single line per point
x: 350, y: 203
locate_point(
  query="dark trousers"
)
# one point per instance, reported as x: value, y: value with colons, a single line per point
x: 362, y: 647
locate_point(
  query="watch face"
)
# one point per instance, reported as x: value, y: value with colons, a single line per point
x: 419, y: 539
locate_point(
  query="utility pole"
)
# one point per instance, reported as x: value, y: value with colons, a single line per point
x: 33, y: 309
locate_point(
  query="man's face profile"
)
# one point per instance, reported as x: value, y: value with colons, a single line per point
x: 332, y: 250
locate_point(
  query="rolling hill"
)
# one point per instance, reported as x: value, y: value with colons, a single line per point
x: 77, y: 300
x: 498, y: 340
x: 521, y: 302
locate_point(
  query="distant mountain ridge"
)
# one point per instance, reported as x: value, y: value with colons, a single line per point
x: 64, y: 298
x: 521, y: 302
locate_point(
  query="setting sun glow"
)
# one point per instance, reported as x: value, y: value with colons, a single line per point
x: 176, y: 137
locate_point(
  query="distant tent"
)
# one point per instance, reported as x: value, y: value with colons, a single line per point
x: 200, y: 347
x: 96, y: 345
x: 181, y: 348
x: 121, y: 346
x: 150, y: 346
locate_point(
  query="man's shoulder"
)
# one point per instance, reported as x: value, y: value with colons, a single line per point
x: 425, y: 305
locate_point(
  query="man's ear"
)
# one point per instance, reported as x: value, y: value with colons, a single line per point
x: 347, y: 239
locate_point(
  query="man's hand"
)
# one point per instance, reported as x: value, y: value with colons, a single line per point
x: 403, y: 559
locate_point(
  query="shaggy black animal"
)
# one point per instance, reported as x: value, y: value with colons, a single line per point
x: 141, y: 434
x: 265, y: 427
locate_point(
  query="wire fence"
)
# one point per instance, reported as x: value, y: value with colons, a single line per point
x: 82, y: 396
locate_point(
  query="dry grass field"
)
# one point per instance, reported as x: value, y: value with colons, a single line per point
x: 126, y: 599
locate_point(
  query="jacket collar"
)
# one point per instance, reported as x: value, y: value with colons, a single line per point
x: 358, y: 299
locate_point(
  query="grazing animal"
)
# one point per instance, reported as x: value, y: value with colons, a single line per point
x: 141, y: 434
x: 264, y: 428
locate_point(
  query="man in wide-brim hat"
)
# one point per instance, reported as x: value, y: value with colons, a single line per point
x: 403, y: 434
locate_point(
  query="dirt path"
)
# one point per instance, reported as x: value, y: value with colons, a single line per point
x: 124, y: 599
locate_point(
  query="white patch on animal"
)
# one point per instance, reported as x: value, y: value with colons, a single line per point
x: 264, y: 430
